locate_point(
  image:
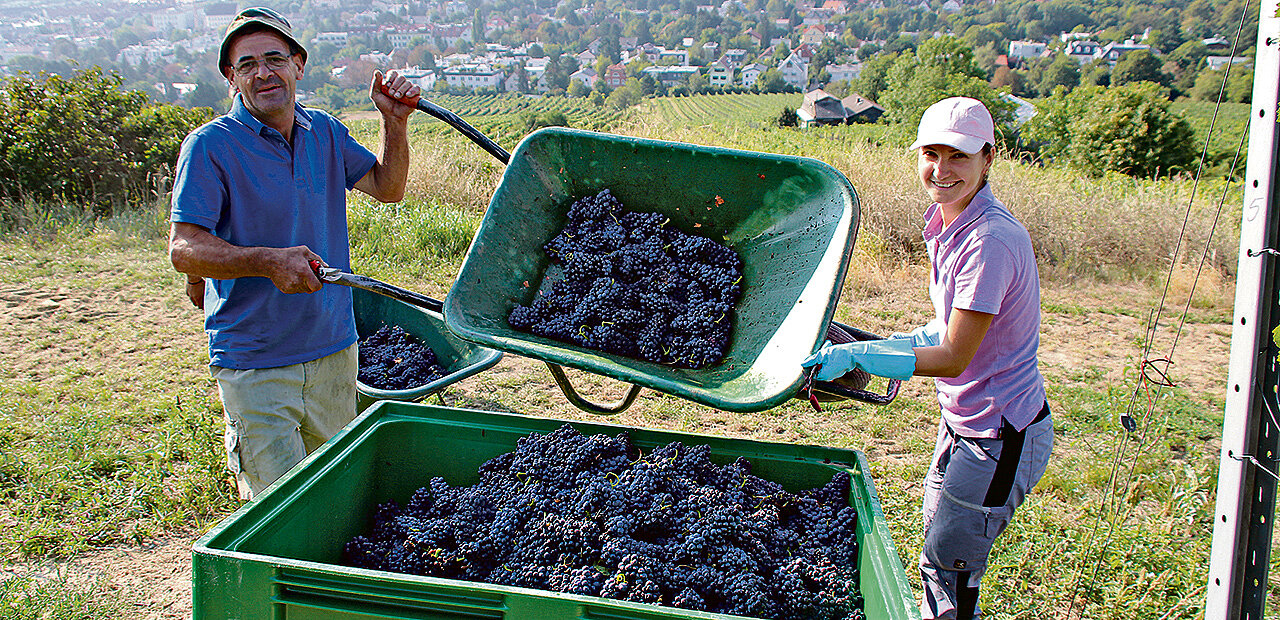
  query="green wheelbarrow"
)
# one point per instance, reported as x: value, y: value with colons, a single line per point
x: 793, y: 221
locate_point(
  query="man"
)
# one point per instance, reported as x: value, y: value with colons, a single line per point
x: 258, y: 193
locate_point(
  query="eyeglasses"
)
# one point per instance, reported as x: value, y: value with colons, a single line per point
x: 273, y: 63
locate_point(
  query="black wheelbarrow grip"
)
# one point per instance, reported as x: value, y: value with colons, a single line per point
x: 839, y: 333
x: 464, y: 128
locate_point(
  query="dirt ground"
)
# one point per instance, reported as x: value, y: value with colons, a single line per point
x: 1089, y: 332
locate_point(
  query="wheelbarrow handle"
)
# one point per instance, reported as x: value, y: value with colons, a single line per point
x: 836, y: 389
x: 830, y: 387
x: 336, y: 276
x: 425, y: 105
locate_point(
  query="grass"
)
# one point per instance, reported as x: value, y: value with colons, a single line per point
x: 23, y: 598
x: 110, y: 428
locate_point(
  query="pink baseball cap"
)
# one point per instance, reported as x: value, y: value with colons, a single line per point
x: 958, y: 122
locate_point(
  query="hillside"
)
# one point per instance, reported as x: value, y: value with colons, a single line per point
x: 105, y: 381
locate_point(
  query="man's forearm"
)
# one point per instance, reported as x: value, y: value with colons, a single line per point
x: 391, y: 173
x: 198, y: 253
x: 208, y: 256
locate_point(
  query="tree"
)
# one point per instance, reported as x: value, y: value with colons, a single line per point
x: 577, y: 89
x: 1139, y: 66
x: 873, y: 79
x: 1239, y: 87
x: 770, y: 81
x: 943, y: 68
x: 82, y: 139
x: 788, y: 118
x: 1096, y: 73
x: 1064, y: 71
x: 1128, y: 129
x: 1184, y: 64
x: 1014, y: 81
x: 624, y: 96
x: 1049, y: 131
x: 950, y: 54
x: 207, y: 95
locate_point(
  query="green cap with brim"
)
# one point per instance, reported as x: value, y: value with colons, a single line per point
x: 265, y: 17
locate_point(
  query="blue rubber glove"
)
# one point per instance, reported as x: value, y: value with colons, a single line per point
x: 885, y: 358
x: 927, y: 335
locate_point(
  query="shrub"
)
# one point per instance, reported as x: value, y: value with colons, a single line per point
x: 1127, y: 129
x: 85, y: 140
x: 788, y: 118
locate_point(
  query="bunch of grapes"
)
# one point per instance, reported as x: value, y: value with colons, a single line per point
x: 592, y: 515
x: 633, y: 285
x: 391, y: 359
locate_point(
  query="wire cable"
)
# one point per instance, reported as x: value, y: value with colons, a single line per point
x: 1120, y: 485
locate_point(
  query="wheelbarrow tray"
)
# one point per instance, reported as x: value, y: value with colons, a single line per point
x: 792, y: 220
x: 459, y: 358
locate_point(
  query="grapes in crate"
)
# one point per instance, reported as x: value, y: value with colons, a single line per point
x: 592, y: 515
x: 392, y: 359
x: 632, y: 284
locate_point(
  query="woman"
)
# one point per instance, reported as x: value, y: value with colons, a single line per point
x: 995, y: 433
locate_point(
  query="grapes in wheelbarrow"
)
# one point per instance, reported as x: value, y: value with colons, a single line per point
x: 633, y: 285
x: 391, y: 359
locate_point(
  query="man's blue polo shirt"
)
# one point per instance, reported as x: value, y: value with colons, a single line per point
x: 242, y: 181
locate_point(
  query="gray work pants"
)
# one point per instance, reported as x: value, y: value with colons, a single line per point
x: 970, y: 493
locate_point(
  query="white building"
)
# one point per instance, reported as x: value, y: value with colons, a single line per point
x: 751, y: 73
x: 1026, y: 49
x: 176, y: 19
x: 473, y: 77
x: 795, y: 71
x: 1112, y: 52
x: 720, y: 74
x: 845, y: 73
x: 586, y: 75
x: 337, y: 39
x: 670, y: 75
x: 1218, y: 62
x: 152, y: 52
x: 1082, y: 50
x: 217, y: 16
x: 679, y: 57
x: 404, y: 38
x: 422, y: 78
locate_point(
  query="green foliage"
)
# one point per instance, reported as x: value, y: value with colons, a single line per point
x: 1139, y: 66
x: 626, y: 95
x: 943, y: 68
x: 770, y: 81
x: 1239, y: 85
x: 873, y: 80
x: 1064, y: 71
x: 85, y: 140
x: 550, y: 118
x: 788, y: 118
x: 1127, y: 129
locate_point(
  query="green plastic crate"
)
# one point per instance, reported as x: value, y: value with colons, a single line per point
x: 459, y: 358
x: 792, y: 220
x: 277, y: 556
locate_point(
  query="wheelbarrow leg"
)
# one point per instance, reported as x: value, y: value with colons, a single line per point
x: 578, y: 401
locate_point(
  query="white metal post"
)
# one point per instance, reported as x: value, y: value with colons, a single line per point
x: 1246, y: 482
